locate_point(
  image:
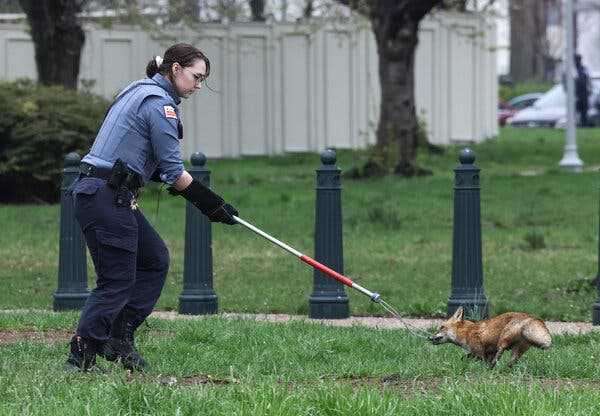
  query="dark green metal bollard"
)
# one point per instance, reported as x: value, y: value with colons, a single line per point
x: 198, y: 296
x: 328, y: 300
x: 467, y: 268
x: 596, y: 306
x: 72, y: 268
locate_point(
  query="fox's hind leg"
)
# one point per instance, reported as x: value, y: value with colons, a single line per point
x: 503, y: 344
x: 517, y: 351
x: 489, y: 355
x: 494, y: 360
x: 507, y: 341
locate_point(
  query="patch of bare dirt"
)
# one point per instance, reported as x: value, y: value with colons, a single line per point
x: 194, y: 380
x: 414, y: 386
x: 49, y: 337
x: 53, y: 336
x: 566, y: 383
x: 405, y: 386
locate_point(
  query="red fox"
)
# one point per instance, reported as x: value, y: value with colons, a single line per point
x: 488, y: 339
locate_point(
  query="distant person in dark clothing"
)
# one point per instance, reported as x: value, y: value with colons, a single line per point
x: 582, y: 91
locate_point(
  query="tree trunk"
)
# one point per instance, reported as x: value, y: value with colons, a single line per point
x: 308, y: 9
x: 396, y: 25
x: 58, y: 39
x: 257, y: 7
x: 528, y: 45
x: 398, y: 119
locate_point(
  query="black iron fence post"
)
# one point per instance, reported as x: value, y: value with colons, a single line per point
x: 198, y: 296
x: 467, y: 267
x: 71, y: 292
x: 328, y: 300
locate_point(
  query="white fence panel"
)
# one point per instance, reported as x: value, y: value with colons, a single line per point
x: 292, y: 87
x: 426, y: 61
x: 17, y: 55
x: 295, y: 102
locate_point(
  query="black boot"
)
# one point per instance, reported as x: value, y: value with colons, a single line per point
x: 82, y: 356
x: 121, y: 345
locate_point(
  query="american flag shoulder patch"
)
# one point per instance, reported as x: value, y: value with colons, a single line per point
x: 170, y: 112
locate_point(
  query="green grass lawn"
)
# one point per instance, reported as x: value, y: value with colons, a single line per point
x: 215, y: 366
x: 539, y: 233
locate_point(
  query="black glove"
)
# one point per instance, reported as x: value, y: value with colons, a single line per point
x: 208, y: 202
x: 224, y: 214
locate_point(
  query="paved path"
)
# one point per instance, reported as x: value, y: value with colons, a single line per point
x: 556, y: 328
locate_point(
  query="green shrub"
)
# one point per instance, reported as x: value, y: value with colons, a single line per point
x: 39, y: 125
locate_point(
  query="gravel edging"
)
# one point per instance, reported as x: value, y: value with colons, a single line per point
x: 555, y: 328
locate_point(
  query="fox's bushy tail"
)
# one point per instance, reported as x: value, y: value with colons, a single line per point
x: 537, y: 334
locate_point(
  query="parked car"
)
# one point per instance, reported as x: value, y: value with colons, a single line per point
x: 550, y: 110
x: 509, y: 108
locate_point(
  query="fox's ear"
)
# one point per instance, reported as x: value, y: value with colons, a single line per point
x: 459, y: 314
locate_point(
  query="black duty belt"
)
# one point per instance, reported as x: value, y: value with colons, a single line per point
x: 130, y: 179
x: 92, y: 171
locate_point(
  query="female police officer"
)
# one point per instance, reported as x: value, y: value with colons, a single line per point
x: 138, y: 141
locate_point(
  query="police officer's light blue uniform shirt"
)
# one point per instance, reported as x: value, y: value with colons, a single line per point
x: 143, y: 129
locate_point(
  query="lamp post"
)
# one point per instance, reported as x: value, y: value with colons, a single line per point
x: 570, y: 160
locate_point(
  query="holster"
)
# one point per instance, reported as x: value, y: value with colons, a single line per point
x: 123, y: 180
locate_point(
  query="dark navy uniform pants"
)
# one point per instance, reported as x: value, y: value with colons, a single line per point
x: 130, y: 258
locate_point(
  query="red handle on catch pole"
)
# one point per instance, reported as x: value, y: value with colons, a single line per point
x: 312, y: 262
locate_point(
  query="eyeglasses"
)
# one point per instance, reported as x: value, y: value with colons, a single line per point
x: 198, y: 78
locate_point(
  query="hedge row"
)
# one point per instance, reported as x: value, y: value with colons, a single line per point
x: 39, y: 125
